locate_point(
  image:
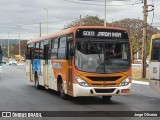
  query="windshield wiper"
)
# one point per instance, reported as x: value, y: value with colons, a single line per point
x: 102, y: 67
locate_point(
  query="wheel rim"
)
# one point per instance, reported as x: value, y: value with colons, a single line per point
x: 61, y: 90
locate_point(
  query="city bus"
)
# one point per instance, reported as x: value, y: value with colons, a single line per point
x: 81, y: 61
x: 154, y: 65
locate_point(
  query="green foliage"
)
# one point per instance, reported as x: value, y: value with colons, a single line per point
x: 23, y: 48
x: 135, y: 30
x: 86, y: 21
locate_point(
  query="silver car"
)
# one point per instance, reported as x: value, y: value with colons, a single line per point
x: 12, y: 62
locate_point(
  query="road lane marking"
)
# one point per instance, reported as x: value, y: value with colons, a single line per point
x: 139, y: 92
x: 139, y: 82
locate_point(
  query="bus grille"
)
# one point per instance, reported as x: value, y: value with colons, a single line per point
x: 104, y: 90
x: 111, y: 78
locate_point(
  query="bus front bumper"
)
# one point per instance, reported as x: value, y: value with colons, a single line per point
x: 100, y: 91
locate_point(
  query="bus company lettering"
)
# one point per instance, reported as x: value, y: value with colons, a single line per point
x: 109, y: 34
x: 56, y: 65
x: 88, y: 33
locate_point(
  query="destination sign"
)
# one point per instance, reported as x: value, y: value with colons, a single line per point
x: 88, y: 33
x: 98, y: 33
x: 102, y: 34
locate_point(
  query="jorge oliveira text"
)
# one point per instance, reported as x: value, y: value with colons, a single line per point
x: 145, y: 114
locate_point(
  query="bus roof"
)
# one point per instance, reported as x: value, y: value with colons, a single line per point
x: 68, y: 31
x: 155, y: 36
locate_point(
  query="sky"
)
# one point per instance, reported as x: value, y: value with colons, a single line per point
x: 22, y: 17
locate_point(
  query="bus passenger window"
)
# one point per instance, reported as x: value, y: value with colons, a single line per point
x: 54, y: 48
x: 41, y: 56
x: 37, y: 51
x: 62, y: 48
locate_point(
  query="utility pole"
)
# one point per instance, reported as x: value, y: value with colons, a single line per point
x: 144, y: 39
x: 144, y: 45
x: 105, y: 13
x: 8, y: 46
x: 138, y: 44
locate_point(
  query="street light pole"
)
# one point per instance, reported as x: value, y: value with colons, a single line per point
x: 47, y: 18
x: 112, y: 22
x: 105, y: 13
x: 40, y: 31
x: 80, y: 20
x: 19, y: 27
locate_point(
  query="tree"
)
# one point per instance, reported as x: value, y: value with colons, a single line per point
x: 135, y: 30
x: 23, y: 48
x: 87, y: 20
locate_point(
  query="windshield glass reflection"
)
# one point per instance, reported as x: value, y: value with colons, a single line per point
x: 102, y: 56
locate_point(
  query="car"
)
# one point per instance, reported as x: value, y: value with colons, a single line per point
x: 4, y: 61
x: 12, y: 62
x: 22, y: 59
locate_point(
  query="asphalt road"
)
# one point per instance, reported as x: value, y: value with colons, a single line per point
x: 18, y: 94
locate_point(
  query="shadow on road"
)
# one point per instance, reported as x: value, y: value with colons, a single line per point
x: 81, y: 100
x: 93, y: 100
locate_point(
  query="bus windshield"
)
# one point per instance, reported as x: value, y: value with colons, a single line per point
x: 102, y: 56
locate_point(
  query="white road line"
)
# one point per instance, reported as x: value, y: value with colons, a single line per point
x: 138, y: 92
x: 139, y: 82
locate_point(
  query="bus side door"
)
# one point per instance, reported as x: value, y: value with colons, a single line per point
x: 70, y: 57
x: 45, y: 66
x: 29, y: 58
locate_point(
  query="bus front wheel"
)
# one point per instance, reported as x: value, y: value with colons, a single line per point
x: 61, y: 91
x: 37, y: 82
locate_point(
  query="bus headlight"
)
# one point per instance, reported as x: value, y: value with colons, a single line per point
x: 125, y: 82
x: 80, y: 81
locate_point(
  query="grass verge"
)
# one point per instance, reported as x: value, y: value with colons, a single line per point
x: 137, y: 74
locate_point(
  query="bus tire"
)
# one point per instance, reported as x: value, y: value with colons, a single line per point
x: 37, y: 81
x: 106, y: 98
x: 61, y: 91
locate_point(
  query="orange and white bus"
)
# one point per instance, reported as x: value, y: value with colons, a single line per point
x: 81, y: 61
x: 154, y: 62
